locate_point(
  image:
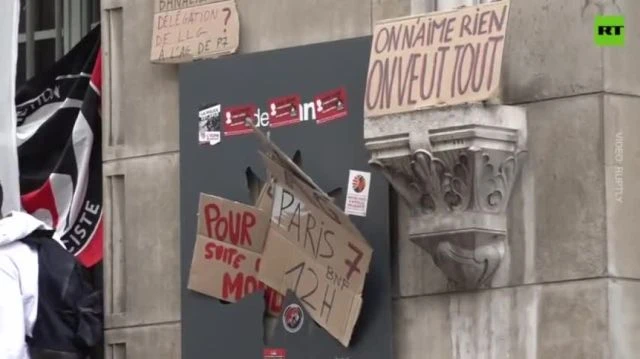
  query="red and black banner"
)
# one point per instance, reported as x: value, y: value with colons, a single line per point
x: 59, y: 148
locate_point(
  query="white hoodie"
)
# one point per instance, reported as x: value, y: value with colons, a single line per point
x: 18, y: 284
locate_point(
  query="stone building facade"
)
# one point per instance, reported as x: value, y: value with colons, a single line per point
x: 567, y: 281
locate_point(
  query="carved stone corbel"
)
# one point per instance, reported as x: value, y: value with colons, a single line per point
x: 456, y: 169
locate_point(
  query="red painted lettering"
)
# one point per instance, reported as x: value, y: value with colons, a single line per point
x: 232, y: 287
x: 230, y: 256
x: 234, y: 227
x: 248, y: 221
x: 209, y: 248
x: 238, y: 260
x: 209, y: 219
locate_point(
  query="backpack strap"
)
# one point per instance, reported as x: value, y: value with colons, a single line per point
x: 34, y: 240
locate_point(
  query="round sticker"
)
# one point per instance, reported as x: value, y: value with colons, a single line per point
x: 358, y: 183
x: 292, y: 318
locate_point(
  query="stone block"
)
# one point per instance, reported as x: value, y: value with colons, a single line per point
x: 389, y: 9
x: 564, y: 320
x: 573, y: 320
x: 274, y: 24
x: 549, y: 51
x: 622, y: 155
x: 156, y: 341
x: 567, y: 159
x: 142, y: 222
x: 140, y: 99
x: 624, y: 323
x: 621, y: 73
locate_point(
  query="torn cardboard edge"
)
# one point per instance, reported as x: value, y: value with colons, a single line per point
x: 286, y: 267
x: 280, y: 157
x: 173, y: 5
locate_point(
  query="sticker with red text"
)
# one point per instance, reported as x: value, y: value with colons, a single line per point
x: 331, y: 105
x: 235, y: 119
x: 284, y: 111
x: 358, y: 193
x: 271, y: 353
x: 293, y: 318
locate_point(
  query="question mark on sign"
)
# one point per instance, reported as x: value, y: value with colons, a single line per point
x: 226, y: 19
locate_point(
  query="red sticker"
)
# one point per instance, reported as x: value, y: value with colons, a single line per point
x: 331, y: 105
x: 235, y: 117
x: 284, y: 111
x: 270, y: 353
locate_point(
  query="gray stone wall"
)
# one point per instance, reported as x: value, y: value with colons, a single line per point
x: 569, y: 285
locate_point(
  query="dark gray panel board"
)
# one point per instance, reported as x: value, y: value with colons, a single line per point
x: 329, y: 150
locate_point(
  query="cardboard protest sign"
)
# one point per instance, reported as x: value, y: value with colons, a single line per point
x: 232, y: 222
x: 187, y: 30
x: 310, y: 235
x: 438, y: 59
x: 322, y: 292
x: 227, y: 272
x: 327, y: 242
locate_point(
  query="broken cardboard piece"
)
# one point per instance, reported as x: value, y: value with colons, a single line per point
x: 438, y: 59
x: 183, y: 32
x: 227, y: 253
x: 232, y: 222
x: 332, y: 305
x: 265, y: 199
x: 229, y: 273
x: 276, y: 154
x: 313, y: 248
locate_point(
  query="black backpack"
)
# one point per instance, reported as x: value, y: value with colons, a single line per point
x: 69, y: 316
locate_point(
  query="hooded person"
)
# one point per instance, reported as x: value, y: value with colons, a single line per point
x: 19, y: 283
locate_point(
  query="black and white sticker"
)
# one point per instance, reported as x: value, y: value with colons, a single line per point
x: 209, y: 125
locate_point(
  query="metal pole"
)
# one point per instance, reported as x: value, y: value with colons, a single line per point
x: 30, y: 55
x: 59, y: 25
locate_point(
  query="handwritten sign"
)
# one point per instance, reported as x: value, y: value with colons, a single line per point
x: 331, y: 245
x: 232, y: 222
x: 313, y: 249
x: 437, y: 59
x: 324, y: 295
x: 187, y: 30
x: 227, y: 272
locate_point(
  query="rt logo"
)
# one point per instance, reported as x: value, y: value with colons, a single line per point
x: 609, y: 30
